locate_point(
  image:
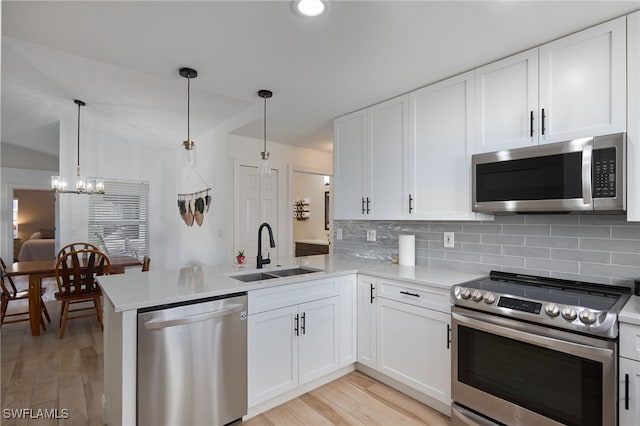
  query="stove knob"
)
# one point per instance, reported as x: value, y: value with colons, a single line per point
x: 587, y: 317
x: 477, y: 295
x: 552, y: 310
x: 489, y: 298
x: 569, y: 313
x: 465, y: 293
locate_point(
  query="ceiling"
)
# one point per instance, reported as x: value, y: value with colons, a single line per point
x: 122, y: 59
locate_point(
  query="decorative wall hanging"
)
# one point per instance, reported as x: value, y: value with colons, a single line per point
x: 301, y: 209
x: 192, y: 205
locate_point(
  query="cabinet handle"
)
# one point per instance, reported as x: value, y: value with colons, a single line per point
x: 626, y: 391
x: 304, y: 323
x: 531, y: 125
x: 362, y: 205
x: 372, y: 297
x: 368, y: 210
x: 410, y: 294
x: 543, y: 117
x: 448, y: 336
x: 410, y: 203
x: 296, y: 327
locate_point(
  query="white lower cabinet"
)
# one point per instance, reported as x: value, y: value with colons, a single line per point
x: 366, y: 321
x: 413, y: 347
x: 291, y: 345
x: 403, y: 333
x: 629, y: 376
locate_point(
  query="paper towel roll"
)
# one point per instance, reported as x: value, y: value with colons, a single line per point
x: 407, y: 250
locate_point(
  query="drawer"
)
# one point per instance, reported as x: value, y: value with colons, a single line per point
x: 426, y: 297
x: 630, y: 341
x: 267, y: 299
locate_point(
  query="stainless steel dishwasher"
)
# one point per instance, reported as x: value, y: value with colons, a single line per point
x: 192, y: 362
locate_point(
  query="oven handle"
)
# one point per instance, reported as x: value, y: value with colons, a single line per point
x: 587, y: 155
x: 515, y: 330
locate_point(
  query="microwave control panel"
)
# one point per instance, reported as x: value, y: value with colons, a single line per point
x: 604, y: 173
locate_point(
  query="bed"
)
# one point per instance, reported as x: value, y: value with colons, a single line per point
x: 39, y: 246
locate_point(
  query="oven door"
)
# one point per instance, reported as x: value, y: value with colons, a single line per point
x: 518, y: 373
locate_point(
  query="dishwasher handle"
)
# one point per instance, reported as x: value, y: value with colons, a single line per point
x: 155, y: 325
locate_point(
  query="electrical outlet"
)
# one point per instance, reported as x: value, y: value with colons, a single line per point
x: 371, y: 234
x: 338, y: 233
x: 448, y: 240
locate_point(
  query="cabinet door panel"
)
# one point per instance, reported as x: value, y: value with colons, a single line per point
x: 387, y: 130
x: 629, y: 415
x: 272, y: 354
x: 583, y: 83
x: 506, y: 96
x: 348, y: 320
x: 412, y: 348
x: 366, y: 322
x: 318, y: 343
x: 441, y: 131
x: 350, y: 133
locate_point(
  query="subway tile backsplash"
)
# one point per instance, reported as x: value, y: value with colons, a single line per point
x: 596, y: 248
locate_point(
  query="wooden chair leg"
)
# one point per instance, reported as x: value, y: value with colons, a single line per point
x: 44, y: 310
x: 3, y: 310
x: 63, y: 319
x: 96, y: 303
x: 42, y: 323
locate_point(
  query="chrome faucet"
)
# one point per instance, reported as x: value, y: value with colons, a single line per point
x: 272, y: 243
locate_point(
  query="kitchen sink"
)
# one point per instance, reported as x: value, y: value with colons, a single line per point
x: 279, y: 273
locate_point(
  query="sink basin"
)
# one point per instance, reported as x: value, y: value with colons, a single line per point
x: 292, y: 271
x: 279, y: 273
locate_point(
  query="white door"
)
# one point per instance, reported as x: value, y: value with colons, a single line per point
x: 506, y: 112
x: 583, y: 83
x: 318, y: 341
x: 272, y: 355
x: 441, y: 132
x: 257, y: 203
x: 349, y: 159
x: 413, y: 347
x: 388, y: 126
x: 366, y: 323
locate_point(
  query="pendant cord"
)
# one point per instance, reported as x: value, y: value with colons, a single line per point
x: 78, y: 158
x: 188, y: 106
x: 265, y: 124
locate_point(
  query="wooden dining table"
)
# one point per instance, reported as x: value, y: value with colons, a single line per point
x: 39, y: 269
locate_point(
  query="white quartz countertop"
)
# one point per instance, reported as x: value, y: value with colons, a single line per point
x: 135, y: 290
x: 630, y: 314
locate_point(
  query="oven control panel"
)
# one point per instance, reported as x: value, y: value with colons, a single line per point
x: 520, y: 305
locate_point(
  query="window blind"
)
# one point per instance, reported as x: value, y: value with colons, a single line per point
x: 118, y: 219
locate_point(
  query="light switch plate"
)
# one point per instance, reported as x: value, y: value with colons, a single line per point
x: 371, y: 234
x: 448, y: 240
x: 338, y: 233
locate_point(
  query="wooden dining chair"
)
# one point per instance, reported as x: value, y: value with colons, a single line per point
x: 146, y: 261
x: 10, y: 293
x: 75, y: 275
x: 76, y: 246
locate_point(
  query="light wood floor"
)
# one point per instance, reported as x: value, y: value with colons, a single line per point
x: 46, y: 372
x: 354, y: 399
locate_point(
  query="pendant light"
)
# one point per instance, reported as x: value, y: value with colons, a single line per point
x: 189, y: 152
x: 82, y: 185
x: 265, y: 166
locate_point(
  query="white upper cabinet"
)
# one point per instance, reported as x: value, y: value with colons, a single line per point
x: 441, y: 139
x: 633, y: 119
x: 506, y: 108
x: 583, y: 83
x: 368, y: 161
x: 388, y: 124
x: 350, y: 136
x: 570, y: 88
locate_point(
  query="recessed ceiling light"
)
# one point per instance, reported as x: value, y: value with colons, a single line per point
x: 309, y: 7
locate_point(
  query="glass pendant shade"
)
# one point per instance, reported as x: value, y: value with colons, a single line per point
x: 189, y: 154
x: 264, y: 168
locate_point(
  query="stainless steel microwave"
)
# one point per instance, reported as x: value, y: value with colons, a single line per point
x: 582, y: 175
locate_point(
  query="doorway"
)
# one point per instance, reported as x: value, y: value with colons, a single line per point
x: 312, y: 196
x: 34, y: 224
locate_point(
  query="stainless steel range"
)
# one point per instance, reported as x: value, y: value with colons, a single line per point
x: 535, y: 350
